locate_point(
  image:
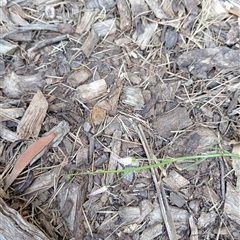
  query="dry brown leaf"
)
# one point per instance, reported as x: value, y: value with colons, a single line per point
x: 98, y: 115
x: 26, y: 158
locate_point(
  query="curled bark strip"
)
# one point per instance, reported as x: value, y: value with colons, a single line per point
x: 26, y: 158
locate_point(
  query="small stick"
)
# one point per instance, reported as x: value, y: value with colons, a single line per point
x: 162, y: 200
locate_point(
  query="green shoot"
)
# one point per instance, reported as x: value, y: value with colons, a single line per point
x: 157, y: 163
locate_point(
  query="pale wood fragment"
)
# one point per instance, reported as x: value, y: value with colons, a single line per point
x: 232, y: 203
x: 135, y: 214
x: 8, y: 134
x: 152, y: 232
x: 13, y: 226
x: 116, y: 148
x: 125, y: 15
x: 138, y: 7
x: 90, y: 91
x: 105, y: 5
x: 133, y: 97
x: 144, y: 38
x: 31, y: 123
x: 86, y: 21
x: 10, y: 113
x: 50, y: 12
x: 90, y: 43
x: 233, y: 6
x: 79, y: 77
x: 7, y: 48
x: 194, y: 228
x: 175, y: 180
x: 3, y: 3
x: 104, y: 28
x: 15, y: 86
x: 156, y: 7
x: 236, y: 164
x: 44, y: 181
x: 16, y: 19
x: 206, y: 218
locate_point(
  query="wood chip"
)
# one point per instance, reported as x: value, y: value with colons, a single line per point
x: 50, y: 12
x: 7, y: 48
x: 135, y: 214
x: 8, y: 135
x: 116, y: 148
x: 3, y: 3
x: 180, y: 216
x: 152, y: 232
x: 10, y: 113
x: 79, y: 77
x: 155, y: 6
x: 206, y: 218
x: 233, y: 6
x: 236, y: 164
x: 91, y: 91
x: 17, y: 85
x: 138, y: 7
x: 198, y: 141
x: 133, y: 97
x: 232, y: 203
x: 199, y: 62
x: 86, y: 21
x: 98, y: 115
x: 82, y: 156
x: 167, y: 92
x: 31, y: 123
x: 172, y: 121
x: 44, y: 181
x: 68, y: 204
x: 144, y: 38
x: 100, y: 4
x: 176, y: 199
x: 125, y: 15
x: 105, y: 28
x: 194, y: 228
x: 15, y: 226
x: 90, y: 43
x: 175, y: 180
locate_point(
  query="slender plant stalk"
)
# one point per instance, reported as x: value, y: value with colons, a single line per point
x: 157, y: 163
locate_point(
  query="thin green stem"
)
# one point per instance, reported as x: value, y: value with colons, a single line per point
x: 160, y: 162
